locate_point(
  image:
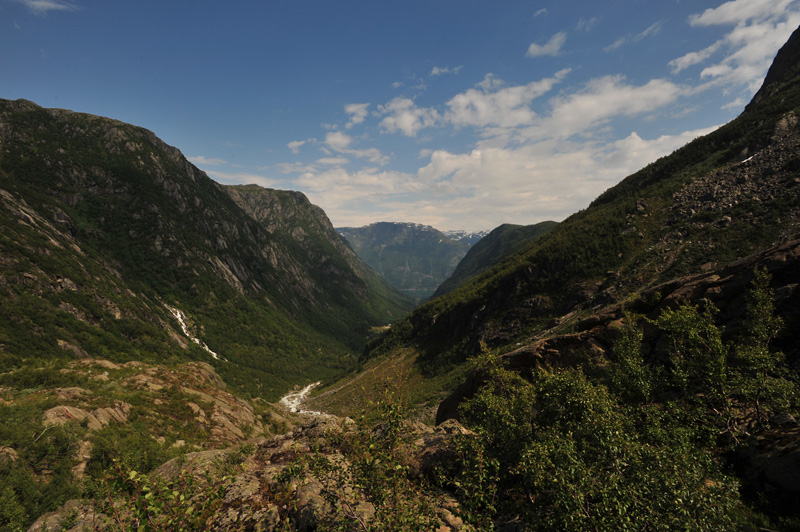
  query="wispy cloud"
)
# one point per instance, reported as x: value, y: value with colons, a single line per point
x: 598, y: 102
x: 541, y: 12
x: 652, y: 30
x: 42, y: 7
x: 341, y: 142
x: 551, y: 47
x: 438, y: 71
x: 295, y: 145
x: 759, y: 28
x: 202, y: 160
x: 357, y: 112
x: 694, y: 58
x: 740, y: 11
x: 587, y: 24
x: 547, y: 147
x: 333, y: 161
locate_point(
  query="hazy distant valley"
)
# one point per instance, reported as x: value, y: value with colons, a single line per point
x: 415, y: 259
x: 633, y: 367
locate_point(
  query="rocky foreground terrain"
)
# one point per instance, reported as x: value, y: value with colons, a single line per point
x: 258, y: 486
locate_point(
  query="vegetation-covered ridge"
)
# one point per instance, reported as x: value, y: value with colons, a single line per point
x: 722, y: 196
x: 491, y: 249
x: 104, y: 225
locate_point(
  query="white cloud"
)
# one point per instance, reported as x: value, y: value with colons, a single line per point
x: 760, y: 27
x: 438, y: 71
x: 633, y: 152
x: 652, y: 30
x: 402, y: 114
x: 479, y: 189
x: 551, y: 47
x: 544, y: 180
x: 490, y: 82
x: 504, y: 107
x: 42, y: 7
x: 333, y: 161
x: 350, y: 197
x: 296, y: 168
x: 598, y: 102
x: 535, y: 158
x: 738, y: 103
x: 201, y: 160
x: 295, y: 145
x: 541, y: 12
x: 340, y: 142
x: 693, y: 58
x: 529, y: 166
x: 740, y: 11
x: 357, y: 112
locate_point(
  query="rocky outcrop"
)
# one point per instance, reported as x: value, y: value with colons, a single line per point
x: 259, y: 496
x: 94, y: 420
x: 74, y: 516
x: 188, y: 405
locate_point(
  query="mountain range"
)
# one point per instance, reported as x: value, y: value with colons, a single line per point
x: 413, y: 258
x: 632, y: 367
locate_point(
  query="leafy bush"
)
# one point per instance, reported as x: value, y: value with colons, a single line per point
x: 146, y: 503
x: 642, y: 454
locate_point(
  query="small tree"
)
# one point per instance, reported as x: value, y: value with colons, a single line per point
x: 698, y: 355
x: 631, y: 378
x: 759, y: 369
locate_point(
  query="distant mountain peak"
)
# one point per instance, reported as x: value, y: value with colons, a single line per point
x: 414, y: 258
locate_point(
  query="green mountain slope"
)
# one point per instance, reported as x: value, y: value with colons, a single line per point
x: 105, y: 226
x: 723, y: 196
x: 491, y: 249
x: 413, y: 258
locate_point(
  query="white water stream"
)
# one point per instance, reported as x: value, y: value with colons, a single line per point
x: 293, y: 400
x: 181, y: 317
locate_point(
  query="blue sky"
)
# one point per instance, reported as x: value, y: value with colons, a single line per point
x: 460, y: 114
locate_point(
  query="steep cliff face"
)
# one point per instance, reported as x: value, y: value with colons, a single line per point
x: 104, y: 224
